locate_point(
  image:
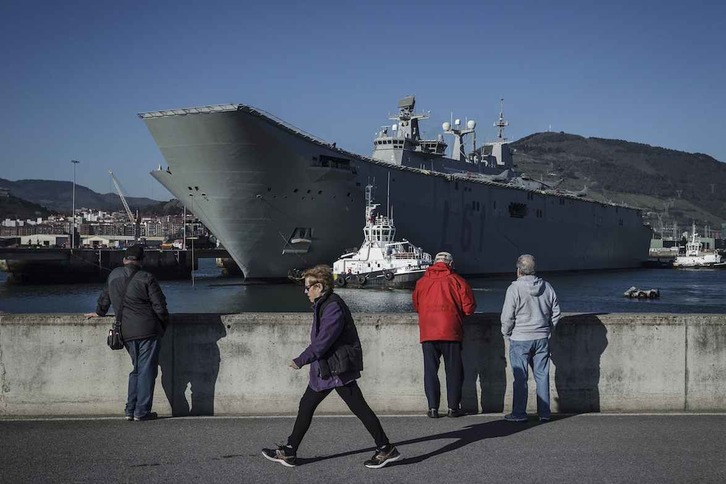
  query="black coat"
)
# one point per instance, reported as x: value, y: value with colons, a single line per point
x: 144, y: 313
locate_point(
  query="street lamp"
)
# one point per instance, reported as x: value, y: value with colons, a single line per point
x: 193, y: 237
x: 73, y: 227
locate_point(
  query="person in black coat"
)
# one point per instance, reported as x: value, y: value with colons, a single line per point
x: 144, y: 318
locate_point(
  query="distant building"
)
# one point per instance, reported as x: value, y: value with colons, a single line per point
x: 46, y: 240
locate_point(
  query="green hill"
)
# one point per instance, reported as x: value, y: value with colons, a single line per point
x: 57, y: 195
x: 669, y: 185
x: 17, y: 208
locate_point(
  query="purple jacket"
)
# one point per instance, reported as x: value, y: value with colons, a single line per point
x: 322, y: 336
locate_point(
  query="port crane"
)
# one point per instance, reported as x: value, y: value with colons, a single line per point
x: 132, y: 219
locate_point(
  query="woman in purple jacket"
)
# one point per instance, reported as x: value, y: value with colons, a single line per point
x: 335, y: 360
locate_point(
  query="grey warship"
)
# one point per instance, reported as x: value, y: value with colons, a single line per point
x: 279, y: 198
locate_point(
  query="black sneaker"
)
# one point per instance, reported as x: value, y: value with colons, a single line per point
x: 382, y: 458
x: 283, y: 454
x: 454, y: 413
x: 148, y: 416
x: 130, y: 418
x: 433, y: 413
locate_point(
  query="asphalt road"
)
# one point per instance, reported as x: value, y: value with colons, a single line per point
x: 481, y: 448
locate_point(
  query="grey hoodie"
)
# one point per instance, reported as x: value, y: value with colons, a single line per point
x: 530, y: 309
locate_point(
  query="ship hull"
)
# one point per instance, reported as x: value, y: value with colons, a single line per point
x: 255, y: 183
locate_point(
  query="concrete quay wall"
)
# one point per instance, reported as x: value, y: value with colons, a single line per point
x: 215, y: 364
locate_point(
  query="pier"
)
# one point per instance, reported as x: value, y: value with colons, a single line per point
x: 49, y: 264
x: 637, y: 398
x: 663, y: 448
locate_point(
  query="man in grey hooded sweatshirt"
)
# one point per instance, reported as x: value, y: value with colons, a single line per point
x: 529, y: 314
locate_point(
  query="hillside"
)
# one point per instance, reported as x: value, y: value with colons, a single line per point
x: 669, y: 185
x: 16, y: 208
x: 58, y: 195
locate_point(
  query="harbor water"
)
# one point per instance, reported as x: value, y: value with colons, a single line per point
x: 682, y: 291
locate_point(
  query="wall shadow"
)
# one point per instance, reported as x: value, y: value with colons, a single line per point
x: 190, y: 360
x: 484, y: 365
x: 576, y: 347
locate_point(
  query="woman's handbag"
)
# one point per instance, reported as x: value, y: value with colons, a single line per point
x: 115, y: 340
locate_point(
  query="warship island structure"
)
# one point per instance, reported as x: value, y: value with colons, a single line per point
x: 279, y: 198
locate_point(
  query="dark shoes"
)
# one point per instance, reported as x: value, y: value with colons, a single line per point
x: 453, y: 413
x: 148, y: 416
x: 544, y: 419
x: 383, y: 457
x: 510, y: 417
x: 286, y: 456
x: 283, y: 455
x: 130, y: 418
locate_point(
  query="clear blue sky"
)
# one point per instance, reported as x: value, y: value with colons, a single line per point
x: 73, y: 74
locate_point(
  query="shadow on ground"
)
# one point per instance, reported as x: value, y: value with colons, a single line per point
x: 463, y: 437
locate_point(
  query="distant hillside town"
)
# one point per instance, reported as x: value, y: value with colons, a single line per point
x: 101, y: 229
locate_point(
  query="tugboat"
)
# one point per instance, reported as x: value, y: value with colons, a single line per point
x: 381, y: 260
x: 696, y: 257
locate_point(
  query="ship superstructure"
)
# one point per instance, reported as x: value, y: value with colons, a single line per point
x: 279, y: 198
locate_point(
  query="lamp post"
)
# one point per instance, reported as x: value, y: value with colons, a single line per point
x: 73, y: 225
x: 193, y: 237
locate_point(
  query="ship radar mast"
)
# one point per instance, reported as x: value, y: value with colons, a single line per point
x: 501, y: 123
x: 458, y: 151
x: 408, y: 127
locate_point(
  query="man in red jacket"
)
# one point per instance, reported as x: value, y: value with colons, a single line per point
x: 442, y: 298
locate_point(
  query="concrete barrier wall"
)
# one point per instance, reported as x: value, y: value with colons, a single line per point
x: 237, y: 364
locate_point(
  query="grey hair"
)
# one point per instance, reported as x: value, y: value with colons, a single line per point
x: 525, y: 264
x: 320, y: 273
x: 444, y: 257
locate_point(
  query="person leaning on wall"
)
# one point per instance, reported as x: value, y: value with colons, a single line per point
x: 442, y: 299
x: 137, y: 296
x: 530, y: 313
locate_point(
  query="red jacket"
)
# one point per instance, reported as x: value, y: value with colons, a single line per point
x: 442, y: 298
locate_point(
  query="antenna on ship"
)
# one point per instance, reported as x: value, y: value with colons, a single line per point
x: 388, y: 197
x: 501, y: 123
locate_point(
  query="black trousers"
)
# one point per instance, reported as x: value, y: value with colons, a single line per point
x: 352, y: 397
x: 454, y: 367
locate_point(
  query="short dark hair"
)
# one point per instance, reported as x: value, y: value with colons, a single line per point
x: 135, y: 252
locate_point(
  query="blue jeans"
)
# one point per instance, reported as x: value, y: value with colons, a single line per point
x: 535, y: 353
x: 145, y: 358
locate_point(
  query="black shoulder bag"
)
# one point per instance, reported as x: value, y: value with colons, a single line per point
x: 114, y: 340
x: 346, y: 354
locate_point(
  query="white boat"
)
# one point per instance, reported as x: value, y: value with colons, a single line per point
x: 695, y: 256
x: 381, y: 260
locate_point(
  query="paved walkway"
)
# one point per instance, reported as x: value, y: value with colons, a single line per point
x: 482, y: 448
